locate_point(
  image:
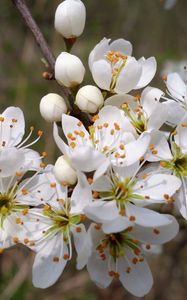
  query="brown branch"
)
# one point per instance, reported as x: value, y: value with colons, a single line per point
x: 31, y: 24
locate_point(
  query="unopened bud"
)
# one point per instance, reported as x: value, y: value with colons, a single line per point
x: 70, y: 18
x: 69, y: 70
x: 89, y: 99
x: 52, y: 106
x: 64, y: 172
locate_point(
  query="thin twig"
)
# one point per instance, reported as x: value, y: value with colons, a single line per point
x: 31, y: 24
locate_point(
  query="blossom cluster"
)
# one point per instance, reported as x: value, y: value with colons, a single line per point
x: 103, y: 196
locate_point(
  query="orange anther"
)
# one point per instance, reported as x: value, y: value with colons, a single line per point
x: 18, y: 221
x: 53, y: 184
x: 78, y: 229
x: 26, y: 241
x: 66, y: 256
x: 40, y: 132
x: 24, y: 192
x: 56, y: 259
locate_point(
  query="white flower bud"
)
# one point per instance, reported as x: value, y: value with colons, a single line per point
x: 64, y: 172
x: 89, y: 99
x: 70, y: 18
x: 52, y: 106
x: 69, y: 70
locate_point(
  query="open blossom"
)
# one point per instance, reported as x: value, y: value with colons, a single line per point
x: 121, y: 255
x: 173, y: 159
x: 109, y: 140
x: 142, y: 110
x: 14, y: 205
x: 14, y: 152
x: 114, y: 69
x: 49, y: 229
x: 121, y: 197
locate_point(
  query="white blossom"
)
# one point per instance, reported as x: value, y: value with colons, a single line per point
x: 69, y: 70
x: 50, y: 229
x: 114, y: 69
x: 123, y: 195
x: 109, y: 140
x: 89, y: 99
x: 121, y: 255
x: 52, y: 106
x: 14, y: 152
x: 70, y: 18
x: 142, y: 110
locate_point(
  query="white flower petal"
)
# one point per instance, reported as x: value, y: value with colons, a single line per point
x: 175, y: 112
x: 46, y: 270
x: 102, y: 184
x: 157, y: 235
x: 139, y: 280
x: 118, y: 100
x: 148, y: 71
x: 102, y: 74
x: 11, y: 161
x: 60, y: 143
x: 157, y: 120
x: 82, y: 246
x: 149, y: 99
x: 117, y: 225
x: 99, y: 52
x: 101, y: 169
x: 101, y: 211
x: 157, y: 187
x: 122, y: 46
x: 70, y: 125
x: 98, y: 270
x: 145, y: 217
x: 81, y: 196
x: 181, y: 199
x: 32, y: 159
x: 128, y: 77
x: 159, y: 140
x: 12, y: 136
x: 176, y: 86
x: 136, y: 149
x: 181, y: 135
x: 87, y: 159
x: 126, y: 171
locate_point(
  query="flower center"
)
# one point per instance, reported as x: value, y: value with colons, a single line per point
x: 6, y: 204
x: 121, y: 192
x: 117, y: 243
x: 62, y: 220
x: 136, y: 116
x: 179, y: 164
x: 118, y: 62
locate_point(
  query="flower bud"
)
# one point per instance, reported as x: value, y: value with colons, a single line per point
x: 52, y: 106
x: 89, y: 99
x: 70, y: 18
x: 69, y: 70
x: 64, y: 172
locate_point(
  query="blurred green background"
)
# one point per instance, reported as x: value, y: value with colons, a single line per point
x: 153, y: 31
